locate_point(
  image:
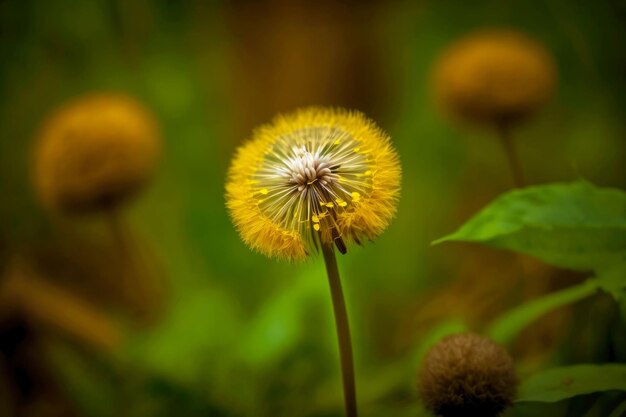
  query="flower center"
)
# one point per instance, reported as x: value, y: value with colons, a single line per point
x: 305, y: 169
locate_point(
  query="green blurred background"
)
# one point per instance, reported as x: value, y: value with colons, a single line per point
x: 223, y: 331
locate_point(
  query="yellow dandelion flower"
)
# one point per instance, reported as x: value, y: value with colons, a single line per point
x: 94, y: 152
x: 311, y: 178
x: 494, y: 76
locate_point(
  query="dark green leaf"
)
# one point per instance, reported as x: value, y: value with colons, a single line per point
x: 571, y: 225
x: 620, y: 410
x: 505, y: 328
x: 558, y: 384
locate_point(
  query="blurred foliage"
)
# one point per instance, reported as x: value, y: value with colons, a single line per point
x: 509, y: 325
x: 240, y: 335
x: 557, y: 384
x: 577, y: 226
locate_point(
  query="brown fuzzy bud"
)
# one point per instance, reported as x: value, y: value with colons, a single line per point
x: 495, y: 76
x: 94, y: 153
x: 467, y: 375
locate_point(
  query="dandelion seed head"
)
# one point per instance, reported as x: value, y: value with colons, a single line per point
x: 467, y: 375
x: 313, y: 177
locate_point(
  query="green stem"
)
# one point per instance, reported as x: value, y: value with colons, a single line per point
x: 343, y: 330
x: 508, y: 145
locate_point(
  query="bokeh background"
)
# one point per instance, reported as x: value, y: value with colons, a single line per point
x: 213, y: 329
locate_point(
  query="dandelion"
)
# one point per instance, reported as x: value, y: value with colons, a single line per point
x: 94, y: 153
x: 311, y: 178
x: 467, y: 375
x: 495, y: 78
x: 315, y: 179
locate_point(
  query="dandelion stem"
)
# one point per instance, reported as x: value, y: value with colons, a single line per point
x: 343, y: 330
x: 508, y: 145
x: 119, y: 234
x: 138, y: 285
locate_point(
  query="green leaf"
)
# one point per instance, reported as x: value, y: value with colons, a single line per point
x: 285, y: 321
x: 504, y: 329
x: 620, y: 410
x: 199, y: 327
x: 613, y: 280
x: 570, y: 225
x: 558, y: 384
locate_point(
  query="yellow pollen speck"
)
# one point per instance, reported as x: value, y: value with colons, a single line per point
x: 316, y: 227
x: 341, y: 203
x: 356, y: 196
x: 263, y: 191
x: 315, y: 219
x: 330, y: 205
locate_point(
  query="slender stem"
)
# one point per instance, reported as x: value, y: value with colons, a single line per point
x: 343, y: 330
x: 504, y: 134
x: 119, y: 234
x: 137, y: 285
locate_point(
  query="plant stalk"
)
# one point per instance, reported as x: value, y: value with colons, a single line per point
x: 119, y: 234
x: 138, y: 287
x: 343, y: 330
x: 510, y: 151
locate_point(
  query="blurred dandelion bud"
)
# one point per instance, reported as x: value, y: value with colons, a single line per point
x: 312, y: 178
x: 467, y: 375
x: 91, y: 155
x: 95, y: 152
x: 494, y: 77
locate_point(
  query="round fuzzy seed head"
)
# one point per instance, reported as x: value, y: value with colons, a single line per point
x: 316, y: 176
x: 497, y: 76
x: 467, y: 375
x: 94, y: 153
